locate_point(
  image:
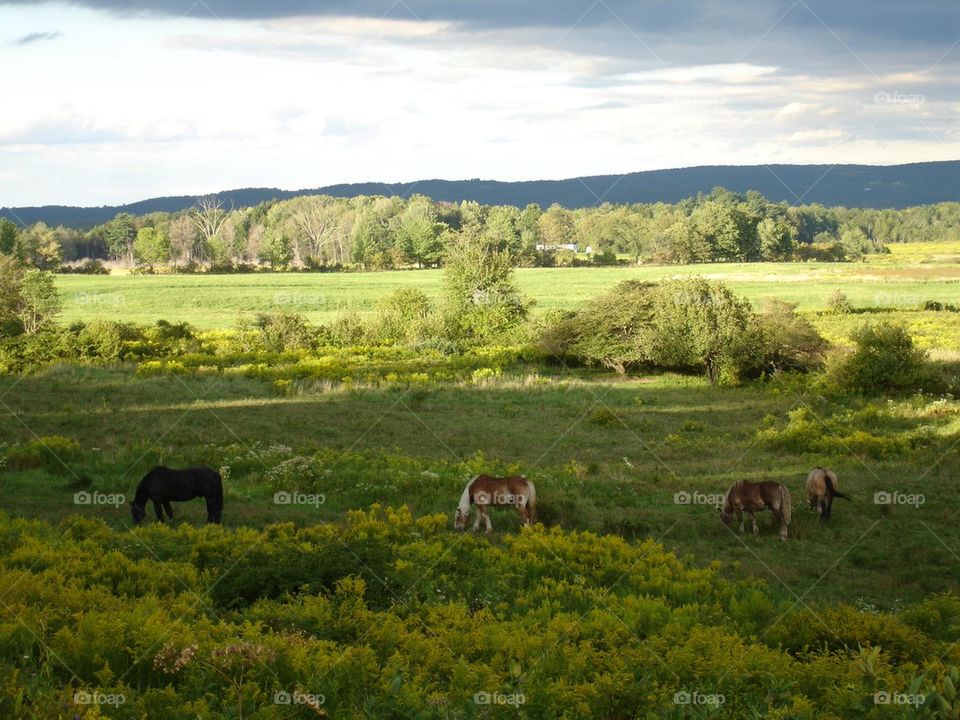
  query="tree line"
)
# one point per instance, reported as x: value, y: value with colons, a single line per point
x: 378, y: 233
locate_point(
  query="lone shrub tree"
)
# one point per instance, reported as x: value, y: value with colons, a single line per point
x: 39, y: 302
x: 613, y: 330
x: 885, y: 360
x: 698, y: 323
x: 480, y: 297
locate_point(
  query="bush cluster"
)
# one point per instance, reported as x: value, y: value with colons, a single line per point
x: 213, y: 622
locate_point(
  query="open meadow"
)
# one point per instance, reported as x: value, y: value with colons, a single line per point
x: 910, y: 275
x: 337, y: 578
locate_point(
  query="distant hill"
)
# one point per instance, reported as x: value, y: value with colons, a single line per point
x: 865, y: 186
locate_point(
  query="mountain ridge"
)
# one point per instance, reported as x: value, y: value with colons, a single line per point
x: 849, y: 185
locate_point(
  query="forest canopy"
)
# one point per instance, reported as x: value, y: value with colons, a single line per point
x: 375, y: 233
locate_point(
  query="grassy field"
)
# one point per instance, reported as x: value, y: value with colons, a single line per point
x: 904, y: 279
x: 631, y: 594
x: 607, y: 456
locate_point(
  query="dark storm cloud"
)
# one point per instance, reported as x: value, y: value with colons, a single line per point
x: 36, y: 37
x: 817, y: 37
x: 926, y: 21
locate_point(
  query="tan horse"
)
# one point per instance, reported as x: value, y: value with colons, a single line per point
x: 485, y: 491
x: 821, y: 490
x: 748, y: 497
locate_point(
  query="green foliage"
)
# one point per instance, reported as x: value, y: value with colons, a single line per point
x: 11, y: 276
x: 567, y: 623
x: 152, y: 246
x: 481, y: 299
x: 613, y: 330
x: 779, y: 340
x: 8, y: 236
x: 38, y: 302
x: 39, y: 247
x: 839, y: 303
x: 284, y: 331
x: 404, y: 316
x: 885, y: 359
x: 697, y: 322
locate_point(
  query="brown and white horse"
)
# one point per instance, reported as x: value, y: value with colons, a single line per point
x: 821, y: 490
x: 485, y: 491
x: 748, y: 497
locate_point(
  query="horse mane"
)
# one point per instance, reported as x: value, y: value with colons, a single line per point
x: 464, y: 505
x: 143, y: 492
x: 727, y: 507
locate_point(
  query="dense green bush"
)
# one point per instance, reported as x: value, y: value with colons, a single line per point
x: 284, y: 331
x: 699, y: 323
x: 613, y: 330
x: 885, y: 359
x: 779, y: 340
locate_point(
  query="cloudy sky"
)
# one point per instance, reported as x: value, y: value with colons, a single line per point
x: 106, y: 101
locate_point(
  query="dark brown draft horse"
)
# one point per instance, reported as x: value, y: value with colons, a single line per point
x: 485, y: 491
x: 748, y: 497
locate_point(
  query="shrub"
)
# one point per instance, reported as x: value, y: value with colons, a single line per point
x: 698, y: 323
x: 87, y: 267
x: 284, y: 331
x: 347, y: 330
x: 885, y: 359
x: 779, y: 340
x: 611, y: 330
x: 100, y: 339
x: 839, y: 303
x: 403, y: 316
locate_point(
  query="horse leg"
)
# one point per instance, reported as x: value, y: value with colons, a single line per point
x: 212, y: 515
x: 483, y: 516
x: 829, y: 503
x: 740, y: 518
x: 524, y: 512
x: 753, y: 520
x: 476, y: 523
x: 158, y: 508
x: 166, y: 506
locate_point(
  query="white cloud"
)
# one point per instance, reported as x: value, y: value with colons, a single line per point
x: 121, y: 109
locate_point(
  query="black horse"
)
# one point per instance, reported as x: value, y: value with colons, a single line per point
x: 161, y: 485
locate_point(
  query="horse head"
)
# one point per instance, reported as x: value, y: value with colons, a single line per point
x: 460, y: 520
x: 138, y: 513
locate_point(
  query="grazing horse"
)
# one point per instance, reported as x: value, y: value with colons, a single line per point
x: 745, y: 496
x: 484, y: 491
x: 821, y: 490
x: 161, y: 485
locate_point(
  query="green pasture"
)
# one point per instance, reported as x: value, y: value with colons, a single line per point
x: 607, y: 455
x: 905, y: 279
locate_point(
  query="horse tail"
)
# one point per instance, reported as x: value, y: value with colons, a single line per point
x: 785, y: 504
x: 532, y: 501
x: 832, y: 490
